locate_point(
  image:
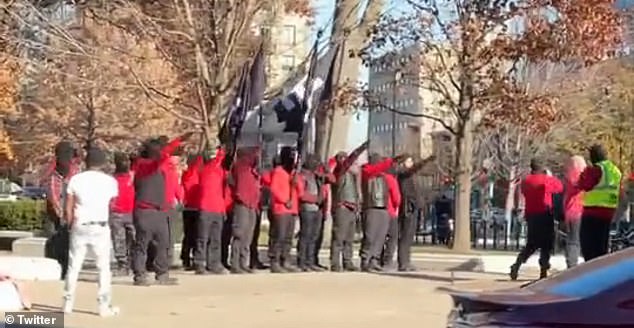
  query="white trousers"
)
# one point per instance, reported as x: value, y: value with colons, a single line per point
x: 98, y: 239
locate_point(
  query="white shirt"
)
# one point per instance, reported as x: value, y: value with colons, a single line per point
x: 93, y: 191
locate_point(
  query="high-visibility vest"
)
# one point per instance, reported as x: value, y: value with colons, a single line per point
x: 606, y: 192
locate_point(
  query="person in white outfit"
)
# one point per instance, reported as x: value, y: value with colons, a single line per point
x: 87, y: 209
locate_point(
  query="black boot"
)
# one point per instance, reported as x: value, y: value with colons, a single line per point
x: 515, y: 269
x: 543, y: 273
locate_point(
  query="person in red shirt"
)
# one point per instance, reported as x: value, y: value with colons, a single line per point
x: 286, y: 191
x: 376, y: 195
x: 538, y: 189
x: 190, y: 182
x: 345, y: 198
x: 121, y: 226
x: 151, y: 210
x: 246, y: 196
x: 393, y: 205
x: 213, y: 206
x: 64, y: 167
x: 265, y: 199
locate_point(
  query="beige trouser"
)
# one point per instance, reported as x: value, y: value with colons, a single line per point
x: 97, y: 237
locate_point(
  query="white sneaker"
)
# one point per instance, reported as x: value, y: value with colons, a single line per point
x: 109, y: 311
x: 68, y: 307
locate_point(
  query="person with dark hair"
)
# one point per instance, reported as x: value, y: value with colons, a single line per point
x: 213, y: 206
x: 376, y: 196
x: 245, y: 177
x: 190, y: 182
x: 409, y: 209
x: 601, y: 182
x: 345, y: 207
x: 87, y: 207
x: 121, y: 225
x: 286, y: 191
x: 61, y: 170
x: 151, y: 212
x: 538, y: 189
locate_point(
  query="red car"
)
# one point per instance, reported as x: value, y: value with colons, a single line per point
x: 599, y: 293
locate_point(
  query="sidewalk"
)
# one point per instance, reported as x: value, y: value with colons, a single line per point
x: 307, y: 300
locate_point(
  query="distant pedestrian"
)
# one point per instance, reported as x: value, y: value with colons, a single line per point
x: 346, y: 203
x: 245, y: 177
x: 376, y: 197
x: 573, y: 208
x: 538, y: 189
x: 190, y: 182
x: 153, y: 201
x: 309, y: 214
x: 286, y: 190
x: 601, y: 182
x: 88, y: 199
x: 63, y: 168
x: 393, y: 206
x: 407, y: 221
x: 121, y: 225
x: 213, y: 206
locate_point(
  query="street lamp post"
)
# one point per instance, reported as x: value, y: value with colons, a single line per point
x: 397, y: 76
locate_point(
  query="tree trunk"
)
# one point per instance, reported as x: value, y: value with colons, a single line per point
x: 509, y: 203
x: 322, y: 127
x: 462, y: 202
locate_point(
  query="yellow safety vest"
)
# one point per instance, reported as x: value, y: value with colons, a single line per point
x: 606, y: 192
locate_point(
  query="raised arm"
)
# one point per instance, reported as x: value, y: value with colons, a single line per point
x: 372, y: 170
x: 406, y: 173
x: 352, y: 157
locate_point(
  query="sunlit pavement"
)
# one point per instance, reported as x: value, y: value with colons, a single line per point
x: 267, y: 300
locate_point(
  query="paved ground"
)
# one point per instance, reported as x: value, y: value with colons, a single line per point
x: 282, y: 301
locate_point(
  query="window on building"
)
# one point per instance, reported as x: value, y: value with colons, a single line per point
x: 288, y: 63
x: 288, y: 35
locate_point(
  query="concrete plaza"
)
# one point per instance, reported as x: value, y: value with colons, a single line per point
x: 263, y: 300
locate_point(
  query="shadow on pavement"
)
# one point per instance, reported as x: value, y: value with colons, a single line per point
x: 423, y: 276
x: 49, y: 308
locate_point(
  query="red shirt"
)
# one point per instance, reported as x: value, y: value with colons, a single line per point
x: 213, y: 185
x: 266, y: 178
x: 281, y: 192
x: 190, y: 182
x: 173, y: 189
x: 588, y: 179
x: 124, y: 202
x: 147, y: 166
x: 246, y: 179
x: 394, y: 195
x: 538, y: 190
x: 372, y: 170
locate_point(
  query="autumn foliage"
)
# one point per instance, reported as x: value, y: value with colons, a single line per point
x: 468, y: 60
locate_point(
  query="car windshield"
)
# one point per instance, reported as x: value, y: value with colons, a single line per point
x: 591, y: 278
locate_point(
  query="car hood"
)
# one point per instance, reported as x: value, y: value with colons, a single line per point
x: 510, y: 297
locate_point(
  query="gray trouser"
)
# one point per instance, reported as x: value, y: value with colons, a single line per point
x: 375, y: 227
x: 281, y: 239
x: 151, y: 226
x: 343, y: 228
x: 309, y: 226
x: 207, y: 253
x: 391, y: 242
x: 407, y: 233
x: 242, y: 233
x: 122, y: 233
x: 572, y: 243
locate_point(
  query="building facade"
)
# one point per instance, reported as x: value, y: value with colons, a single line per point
x: 398, y: 97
